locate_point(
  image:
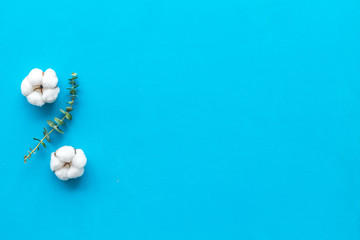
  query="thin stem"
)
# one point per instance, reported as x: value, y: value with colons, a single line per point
x: 38, y: 145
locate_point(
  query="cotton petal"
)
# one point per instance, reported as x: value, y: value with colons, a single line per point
x: 50, y: 94
x: 62, y: 173
x: 35, y: 77
x: 65, y: 153
x: 50, y: 79
x: 35, y: 98
x: 79, y: 160
x: 55, y: 163
x: 74, y: 172
x: 26, y: 87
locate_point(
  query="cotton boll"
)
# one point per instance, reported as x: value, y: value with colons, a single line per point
x: 26, y: 87
x: 65, y: 153
x: 74, y: 172
x: 50, y: 79
x: 79, y: 160
x: 68, y: 163
x: 35, y: 76
x: 35, y: 98
x: 50, y: 94
x: 55, y: 163
x: 62, y: 173
x: 43, y: 83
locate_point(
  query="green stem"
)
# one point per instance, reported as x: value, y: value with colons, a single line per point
x: 48, y: 134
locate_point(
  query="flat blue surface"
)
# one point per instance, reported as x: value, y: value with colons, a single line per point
x: 200, y: 119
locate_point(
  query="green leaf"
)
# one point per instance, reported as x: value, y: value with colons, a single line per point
x: 73, y: 91
x: 37, y: 139
x: 59, y: 121
x: 71, y: 102
x: 51, y: 123
x: 47, y: 137
x: 68, y: 116
x: 76, y: 85
x: 62, y: 111
x: 43, y: 144
x: 59, y: 130
x: 45, y: 130
x: 69, y: 109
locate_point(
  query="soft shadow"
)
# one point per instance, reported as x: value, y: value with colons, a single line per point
x: 38, y: 112
x: 73, y: 183
x: 70, y: 184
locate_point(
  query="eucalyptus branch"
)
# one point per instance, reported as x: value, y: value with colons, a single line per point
x: 55, y: 126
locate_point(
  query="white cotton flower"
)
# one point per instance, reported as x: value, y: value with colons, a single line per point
x: 68, y: 163
x: 39, y: 87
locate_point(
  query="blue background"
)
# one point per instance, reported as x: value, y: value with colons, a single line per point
x: 200, y: 119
